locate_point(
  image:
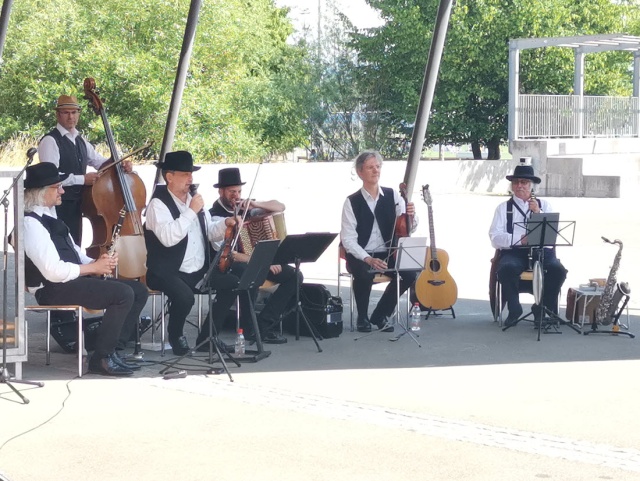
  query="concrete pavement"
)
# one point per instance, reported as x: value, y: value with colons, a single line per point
x: 473, y: 403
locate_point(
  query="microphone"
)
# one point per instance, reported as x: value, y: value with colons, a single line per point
x: 30, y: 153
x: 193, y: 190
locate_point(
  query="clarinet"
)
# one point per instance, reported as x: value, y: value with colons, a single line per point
x: 114, y: 238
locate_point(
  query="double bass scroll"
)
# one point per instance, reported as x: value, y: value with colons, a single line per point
x: 113, y: 190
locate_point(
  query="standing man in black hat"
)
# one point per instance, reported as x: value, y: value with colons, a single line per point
x: 178, y: 232
x: 507, y: 230
x: 58, y: 272
x: 229, y: 203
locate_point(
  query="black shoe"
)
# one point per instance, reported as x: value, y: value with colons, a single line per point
x: 122, y: 363
x: 363, y: 324
x: 512, y: 318
x: 107, y: 366
x: 382, y: 324
x: 272, y: 337
x: 179, y: 345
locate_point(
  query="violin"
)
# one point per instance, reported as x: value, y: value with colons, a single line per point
x: 226, y: 250
x: 404, y: 221
x: 114, y: 190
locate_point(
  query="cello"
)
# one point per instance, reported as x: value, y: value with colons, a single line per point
x: 114, y: 190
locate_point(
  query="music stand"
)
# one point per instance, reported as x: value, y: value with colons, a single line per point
x: 5, y: 375
x: 411, y: 253
x: 303, y: 248
x: 547, y: 231
x: 254, y: 275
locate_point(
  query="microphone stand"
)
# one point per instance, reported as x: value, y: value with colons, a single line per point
x: 5, y: 376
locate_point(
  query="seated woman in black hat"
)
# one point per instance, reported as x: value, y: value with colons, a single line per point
x: 508, y: 234
x: 58, y: 272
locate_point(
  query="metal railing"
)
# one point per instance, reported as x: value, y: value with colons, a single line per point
x: 572, y: 116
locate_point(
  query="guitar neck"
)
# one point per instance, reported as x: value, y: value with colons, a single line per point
x: 432, y: 233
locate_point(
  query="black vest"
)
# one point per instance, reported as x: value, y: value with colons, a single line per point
x: 385, y: 214
x: 59, y: 233
x: 73, y: 160
x: 162, y: 260
x: 510, y: 206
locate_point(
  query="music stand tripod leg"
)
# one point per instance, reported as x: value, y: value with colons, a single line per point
x: 299, y: 311
x: 405, y: 329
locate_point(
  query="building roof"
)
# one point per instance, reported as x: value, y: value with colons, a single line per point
x: 582, y: 44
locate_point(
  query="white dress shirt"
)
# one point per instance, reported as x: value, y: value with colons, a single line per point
x: 39, y: 247
x: 349, y: 235
x: 500, y: 238
x: 170, y: 231
x: 48, y: 152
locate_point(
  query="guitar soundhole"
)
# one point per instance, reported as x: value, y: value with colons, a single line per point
x: 434, y: 265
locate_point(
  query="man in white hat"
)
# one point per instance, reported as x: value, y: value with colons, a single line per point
x: 508, y: 230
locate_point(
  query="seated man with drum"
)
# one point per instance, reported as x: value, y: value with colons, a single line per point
x: 58, y: 272
x: 508, y: 230
x: 229, y: 203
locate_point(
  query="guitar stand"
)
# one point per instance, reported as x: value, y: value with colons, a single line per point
x: 438, y: 312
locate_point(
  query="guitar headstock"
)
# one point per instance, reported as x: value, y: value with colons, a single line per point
x: 426, y: 195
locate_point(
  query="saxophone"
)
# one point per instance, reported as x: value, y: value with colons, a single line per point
x: 607, y: 306
x: 114, y: 238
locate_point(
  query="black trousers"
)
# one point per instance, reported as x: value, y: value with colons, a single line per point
x: 514, y: 262
x: 122, y: 301
x: 363, y: 281
x: 70, y: 211
x: 180, y: 289
x: 278, y: 302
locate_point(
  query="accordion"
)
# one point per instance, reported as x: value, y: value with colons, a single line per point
x: 261, y: 228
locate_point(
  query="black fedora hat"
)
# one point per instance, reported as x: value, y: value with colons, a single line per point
x: 228, y: 177
x: 180, y: 160
x: 524, y: 172
x: 42, y: 175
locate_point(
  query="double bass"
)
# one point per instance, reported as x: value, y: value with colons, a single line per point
x: 113, y: 191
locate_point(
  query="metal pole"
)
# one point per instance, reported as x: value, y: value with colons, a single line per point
x: 4, y: 23
x: 181, y: 78
x: 426, y: 95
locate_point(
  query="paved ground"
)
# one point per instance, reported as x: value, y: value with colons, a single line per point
x: 473, y: 403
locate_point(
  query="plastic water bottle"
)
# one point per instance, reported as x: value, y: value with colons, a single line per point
x: 239, y: 348
x: 414, y: 317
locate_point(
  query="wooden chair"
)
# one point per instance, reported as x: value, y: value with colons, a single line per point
x: 495, y: 288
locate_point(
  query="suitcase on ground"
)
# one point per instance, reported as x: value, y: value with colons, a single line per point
x: 323, y: 311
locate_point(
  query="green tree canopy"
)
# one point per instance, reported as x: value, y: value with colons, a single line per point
x: 471, y: 98
x: 244, y: 94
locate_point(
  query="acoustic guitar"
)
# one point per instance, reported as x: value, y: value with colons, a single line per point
x: 435, y: 288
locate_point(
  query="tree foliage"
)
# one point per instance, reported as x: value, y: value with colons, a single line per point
x: 471, y: 99
x: 244, y: 93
